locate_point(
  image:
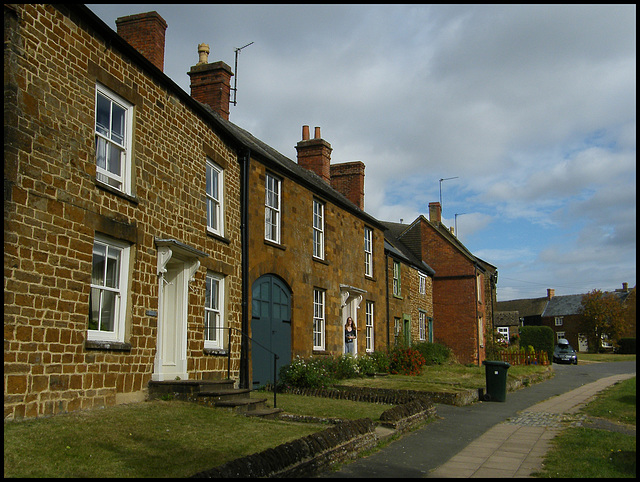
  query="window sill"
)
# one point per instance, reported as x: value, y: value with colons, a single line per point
x: 107, y: 345
x: 112, y: 190
x: 275, y: 245
x: 218, y: 237
x: 320, y: 260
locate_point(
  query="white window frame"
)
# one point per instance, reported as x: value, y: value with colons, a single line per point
x: 318, y: 229
x: 272, y: 208
x: 503, y: 331
x: 120, y: 291
x: 121, y: 182
x: 397, y: 289
x: 423, y: 284
x: 215, y: 200
x: 214, y: 308
x: 368, y: 251
x: 558, y: 320
x: 318, y: 319
x: 369, y: 319
x: 422, y: 325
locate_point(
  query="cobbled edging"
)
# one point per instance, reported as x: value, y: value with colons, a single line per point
x: 302, y: 457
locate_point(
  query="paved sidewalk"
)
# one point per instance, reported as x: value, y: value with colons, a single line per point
x: 517, y: 447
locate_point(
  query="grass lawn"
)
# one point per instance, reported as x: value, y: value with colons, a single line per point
x: 150, y: 439
x: 445, y: 378
x: 584, y: 452
x: 323, y: 407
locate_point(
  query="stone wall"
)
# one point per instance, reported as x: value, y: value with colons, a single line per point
x: 54, y: 207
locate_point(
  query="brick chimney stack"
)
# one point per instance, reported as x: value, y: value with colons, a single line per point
x: 348, y: 179
x: 315, y: 154
x: 211, y: 83
x: 145, y: 32
x: 550, y: 293
x: 435, y: 212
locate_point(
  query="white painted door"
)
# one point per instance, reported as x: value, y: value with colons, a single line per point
x: 171, y: 359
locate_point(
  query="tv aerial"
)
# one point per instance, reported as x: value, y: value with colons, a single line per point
x: 235, y: 70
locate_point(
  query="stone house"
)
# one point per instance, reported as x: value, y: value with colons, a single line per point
x: 464, y: 286
x: 409, y: 292
x: 122, y: 233
x: 149, y: 238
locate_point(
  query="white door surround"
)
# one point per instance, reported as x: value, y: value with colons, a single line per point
x: 350, y: 302
x: 177, y: 265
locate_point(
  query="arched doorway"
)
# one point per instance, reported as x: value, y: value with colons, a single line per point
x: 270, y: 327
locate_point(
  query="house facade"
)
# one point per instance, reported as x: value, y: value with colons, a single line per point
x: 464, y: 286
x: 122, y: 218
x: 148, y: 238
x: 409, y: 293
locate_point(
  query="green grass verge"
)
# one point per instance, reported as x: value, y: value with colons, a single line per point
x: 150, y: 439
x: 445, y: 378
x: 583, y: 452
x: 323, y: 407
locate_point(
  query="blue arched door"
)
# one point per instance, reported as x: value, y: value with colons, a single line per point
x: 270, y: 327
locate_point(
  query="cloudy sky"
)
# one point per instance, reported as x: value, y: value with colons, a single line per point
x: 532, y: 109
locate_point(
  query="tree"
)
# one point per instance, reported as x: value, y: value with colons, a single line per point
x: 602, y: 315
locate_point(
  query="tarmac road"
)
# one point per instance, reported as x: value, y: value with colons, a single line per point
x: 417, y: 453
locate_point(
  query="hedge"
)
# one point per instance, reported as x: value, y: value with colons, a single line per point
x: 541, y: 338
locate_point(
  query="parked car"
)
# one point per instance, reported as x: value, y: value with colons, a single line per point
x: 564, y: 353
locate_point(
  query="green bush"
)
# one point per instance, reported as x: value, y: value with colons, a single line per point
x: 311, y: 373
x: 539, y: 337
x: 380, y: 361
x: 433, y: 353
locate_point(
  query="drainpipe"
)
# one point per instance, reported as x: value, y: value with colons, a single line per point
x: 386, y: 278
x: 245, y: 160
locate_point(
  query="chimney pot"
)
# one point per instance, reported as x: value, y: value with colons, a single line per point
x: 203, y: 54
x: 211, y: 82
x: 315, y: 154
x: 625, y: 286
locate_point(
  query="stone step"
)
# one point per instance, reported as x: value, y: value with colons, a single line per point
x: 225, y: 394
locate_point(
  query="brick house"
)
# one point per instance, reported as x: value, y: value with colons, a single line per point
x: 463, y: 285
x: 561, y: 313
x: 122, y: 211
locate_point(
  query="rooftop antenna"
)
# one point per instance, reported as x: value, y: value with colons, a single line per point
x: 235, y: 70
x: 445, y: 179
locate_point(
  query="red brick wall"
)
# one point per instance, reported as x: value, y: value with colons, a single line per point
x: 145, y: 32
x: 348, y: 179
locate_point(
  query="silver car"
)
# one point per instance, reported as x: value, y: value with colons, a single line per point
x: 564, y: 353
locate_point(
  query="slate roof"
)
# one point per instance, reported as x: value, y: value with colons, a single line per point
x: 571, y: 304
x: 563, y: 305
x: 399, y: 250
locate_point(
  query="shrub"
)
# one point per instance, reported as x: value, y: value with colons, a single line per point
x: 380, y: 360
x: 405, y: 361
x: 433, y: 353
x: 539, y: 337
x: 312, y: 373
